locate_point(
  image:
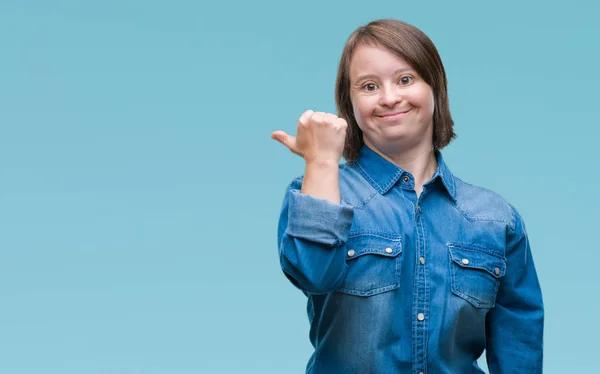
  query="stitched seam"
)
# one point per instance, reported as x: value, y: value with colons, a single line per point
x: 479, y: 218
x: 392, y: 181
x: 489, y: 269
x: 379, y: 234
x: 477, y: 249
x: 476, y: 302
x: 395, y: 242
x: 373, y: 251
x: 513, y: 223
x: 365, y: 175
x: 475, y: 218
x: 371, y: 292
x: 363, y: 203
x: 426, y: 298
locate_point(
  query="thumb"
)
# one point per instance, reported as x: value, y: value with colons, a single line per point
x: 288, y: 140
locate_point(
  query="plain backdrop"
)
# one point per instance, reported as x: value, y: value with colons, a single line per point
x: 140, y: 190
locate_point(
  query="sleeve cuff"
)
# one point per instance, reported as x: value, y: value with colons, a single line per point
x: 318, y: 220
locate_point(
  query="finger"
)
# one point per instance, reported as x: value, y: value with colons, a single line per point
x: 330, y: 118
x: 305, y: 117
x: 288, y: 140
x: 318, y: 117
x: 280, y: 136
x: 341, y: 123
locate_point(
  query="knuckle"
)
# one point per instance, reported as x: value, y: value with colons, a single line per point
x: 339, y: 122
x: 307, y: 113
x: 305, y: 117
x: 318, y: 118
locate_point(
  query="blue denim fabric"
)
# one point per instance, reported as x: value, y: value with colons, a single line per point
x: 397, y: 284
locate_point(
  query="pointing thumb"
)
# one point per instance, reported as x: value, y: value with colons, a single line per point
x: 288, y: 140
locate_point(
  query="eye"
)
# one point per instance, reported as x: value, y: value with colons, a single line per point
x: 369, y: 87
x: 405, y: 80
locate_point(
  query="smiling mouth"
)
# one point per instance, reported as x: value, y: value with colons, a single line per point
x: 393, y: 116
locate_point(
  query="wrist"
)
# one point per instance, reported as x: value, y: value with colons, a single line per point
x: 322, y: 163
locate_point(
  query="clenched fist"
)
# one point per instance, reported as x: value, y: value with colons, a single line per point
x: 320, y: 137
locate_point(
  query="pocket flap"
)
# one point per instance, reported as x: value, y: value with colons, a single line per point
x: 477, y: 259
x: 373, y: 243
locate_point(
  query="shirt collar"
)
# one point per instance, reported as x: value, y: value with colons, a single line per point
x: 383, y: 175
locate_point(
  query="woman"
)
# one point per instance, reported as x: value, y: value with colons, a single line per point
x: 407, y: 268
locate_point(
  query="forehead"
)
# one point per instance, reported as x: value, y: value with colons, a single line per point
x: 375, y: 60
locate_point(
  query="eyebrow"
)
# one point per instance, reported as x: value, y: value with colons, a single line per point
x: 365, y: 76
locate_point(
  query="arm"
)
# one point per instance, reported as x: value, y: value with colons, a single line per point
x: 515, y: 326
x: 311, y: 235
x: 313, y: 226
x: 321, y: 180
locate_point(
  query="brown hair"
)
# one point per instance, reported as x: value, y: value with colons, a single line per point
x: 413, y: 46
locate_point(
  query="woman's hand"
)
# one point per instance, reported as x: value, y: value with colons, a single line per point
x: 319, y: 140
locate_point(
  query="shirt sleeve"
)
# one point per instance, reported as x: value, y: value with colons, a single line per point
x: 515, y: 325
x: 311, y: 236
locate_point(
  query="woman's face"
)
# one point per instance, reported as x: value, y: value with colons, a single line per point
x: 392, y: 105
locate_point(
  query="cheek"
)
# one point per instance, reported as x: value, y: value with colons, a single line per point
x: 432, y: 102
x: 431, y: 98
x: 427, y: 101
x: 358, y: 117
x: 358, y: 108
x: 363, y: 108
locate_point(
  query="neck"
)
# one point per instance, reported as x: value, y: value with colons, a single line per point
x: 419, y: 161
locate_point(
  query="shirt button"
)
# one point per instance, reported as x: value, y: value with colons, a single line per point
x: 405, y: 179
x: 388, y: 250
x: 465, y: 261
x: 497, y: 271
x: 351, y: 253
x: 420, y: 316
x: 422, y: 260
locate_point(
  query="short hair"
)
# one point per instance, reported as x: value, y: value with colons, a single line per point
x: 413, y: 46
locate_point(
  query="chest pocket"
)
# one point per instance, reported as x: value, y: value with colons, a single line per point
x: 476, y: 274
x: 373, y: 264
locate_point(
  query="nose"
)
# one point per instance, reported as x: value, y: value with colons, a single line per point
x: 389, y: 96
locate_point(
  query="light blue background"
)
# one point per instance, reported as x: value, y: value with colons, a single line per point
x: 140, y: 191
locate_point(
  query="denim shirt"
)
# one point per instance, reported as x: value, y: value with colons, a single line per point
x: 400, y: 284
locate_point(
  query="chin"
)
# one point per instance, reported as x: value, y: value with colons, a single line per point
x: 398, y: 132
x: 392, y: 140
